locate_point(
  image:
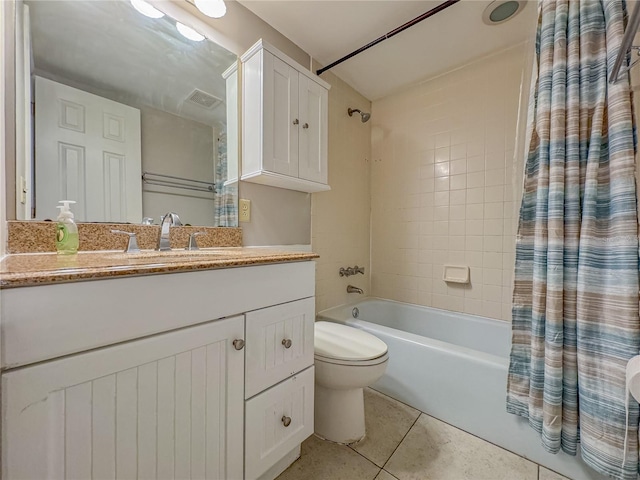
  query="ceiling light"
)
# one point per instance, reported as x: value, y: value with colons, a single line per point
x: 499, y: 11
x: 212, y: 8
x: 189, y: 32
x: 145, y: 9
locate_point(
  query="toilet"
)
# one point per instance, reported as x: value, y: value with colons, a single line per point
x: 347, y: 359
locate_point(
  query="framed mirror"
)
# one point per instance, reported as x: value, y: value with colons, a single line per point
x: 126, y: 114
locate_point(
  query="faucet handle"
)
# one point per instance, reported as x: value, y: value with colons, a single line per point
x: 193, y: 244
x: 132, y: 244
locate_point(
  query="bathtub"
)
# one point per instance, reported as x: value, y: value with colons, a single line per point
x: 453, y: 366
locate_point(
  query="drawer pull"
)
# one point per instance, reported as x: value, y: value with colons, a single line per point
x: 296, y: 122
x: 286, y: 421
x: 306, y: 125
x: 286, y: 342
x: 238, y: 344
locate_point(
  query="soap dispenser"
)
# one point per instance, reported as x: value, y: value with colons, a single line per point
x: 66, y: 230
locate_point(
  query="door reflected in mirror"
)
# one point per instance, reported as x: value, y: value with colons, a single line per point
x: 128, y: 117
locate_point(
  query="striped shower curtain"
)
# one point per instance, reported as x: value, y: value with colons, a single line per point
x: 575, y: 300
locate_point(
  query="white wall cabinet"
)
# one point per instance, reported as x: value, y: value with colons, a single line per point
x: 285, y: 122
x: 156, y: 389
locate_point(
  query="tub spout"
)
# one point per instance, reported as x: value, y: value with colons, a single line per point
x: 352, y: 289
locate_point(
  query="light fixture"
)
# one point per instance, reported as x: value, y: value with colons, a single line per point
x: 146, y: 9
x: 499, y: 11
x: 212, y: 8
x: 189, y: 32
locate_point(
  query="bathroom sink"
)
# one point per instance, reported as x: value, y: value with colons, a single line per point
x: 205, y: 252
x: 177, y: 255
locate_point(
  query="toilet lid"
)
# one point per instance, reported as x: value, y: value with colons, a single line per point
x: 334, y: 340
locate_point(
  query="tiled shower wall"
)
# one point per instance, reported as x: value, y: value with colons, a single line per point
x: 443, y: 186
x: 340, y: 217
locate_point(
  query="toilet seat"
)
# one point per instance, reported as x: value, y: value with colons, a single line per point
x: 353, y: 363
x: 344, y: 345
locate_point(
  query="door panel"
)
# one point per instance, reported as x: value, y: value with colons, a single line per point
x: 76, y: 127
x: 153, y: 408
x: 281, y: 113
x: 314, y: 104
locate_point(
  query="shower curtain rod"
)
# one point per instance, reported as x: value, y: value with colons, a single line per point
x: 627, y: 44
x: 390, y: 34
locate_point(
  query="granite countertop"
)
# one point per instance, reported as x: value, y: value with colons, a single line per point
x: 22, y: 270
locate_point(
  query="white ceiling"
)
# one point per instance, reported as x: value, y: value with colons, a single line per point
x: 111, y: 50
x: 330, y: 29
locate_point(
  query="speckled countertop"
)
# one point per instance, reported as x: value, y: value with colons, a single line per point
x: 21, y: 270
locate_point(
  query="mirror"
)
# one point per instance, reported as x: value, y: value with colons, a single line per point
x: 128, y: 117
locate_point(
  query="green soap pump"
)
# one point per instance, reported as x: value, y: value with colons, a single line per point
x: 66, y: 230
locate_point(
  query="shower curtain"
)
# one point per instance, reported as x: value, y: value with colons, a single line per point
x: 575, y: 299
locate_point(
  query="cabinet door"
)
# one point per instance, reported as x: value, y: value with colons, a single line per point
x: 279, y: 343
x: 277, y: 421
x: 169, y: 406
x: 314, y: 105
x: 281, y: 122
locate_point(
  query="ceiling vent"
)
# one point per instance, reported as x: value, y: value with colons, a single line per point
x: 204, y: 99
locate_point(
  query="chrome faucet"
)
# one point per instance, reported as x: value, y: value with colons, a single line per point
x: 168, y: 220
x: 352, y: 289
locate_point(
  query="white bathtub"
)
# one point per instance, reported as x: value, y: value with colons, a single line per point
x: 453, y: 366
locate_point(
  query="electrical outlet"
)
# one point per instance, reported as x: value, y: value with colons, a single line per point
x: 245, y: 210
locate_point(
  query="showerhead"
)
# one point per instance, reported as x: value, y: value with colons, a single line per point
x: 365, y: 116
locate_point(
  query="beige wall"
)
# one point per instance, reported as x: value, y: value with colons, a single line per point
x: 443, y: 187
x: 340, y: 217
x: 177, y: 146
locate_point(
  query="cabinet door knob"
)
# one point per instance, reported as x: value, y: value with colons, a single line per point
x: 238, y: 344
x: 306, y: 125
x: 286, y: 342
x: 296, y: 122
x: 286, y: 421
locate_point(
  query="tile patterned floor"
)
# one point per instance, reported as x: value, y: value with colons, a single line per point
x: 404, y: 444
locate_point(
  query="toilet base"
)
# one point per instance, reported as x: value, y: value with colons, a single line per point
x: 339, y: 414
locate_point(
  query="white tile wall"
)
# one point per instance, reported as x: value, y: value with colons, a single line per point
x: 340, y: 217
x: 443, y: 188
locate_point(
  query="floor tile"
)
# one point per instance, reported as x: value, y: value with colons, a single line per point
x: 322, y: 460
x: 387, y: 422
x: 546, y: 474
x: 384, y: 475
x: 433, y: 450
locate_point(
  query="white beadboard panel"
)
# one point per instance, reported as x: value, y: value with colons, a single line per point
x: 126, y: 423
x: 216, y: 443
x: 29, y: 334
x: 183, y: 416
x: 166, y: 423
x: 110, y: 413
x: 103, y: 427
x: 198, y: 409
x: 77, y: 428
x: 267, y: 359
x: 267, y: 439
x: 147, y: 419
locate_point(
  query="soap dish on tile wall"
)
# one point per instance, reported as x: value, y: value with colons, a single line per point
x: 456, y: 274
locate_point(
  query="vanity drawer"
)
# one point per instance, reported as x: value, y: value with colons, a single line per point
x: 277, y: 421
x: 279, y: 343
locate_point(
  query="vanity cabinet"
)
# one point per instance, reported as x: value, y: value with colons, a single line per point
x: 284, y: 122
x: 182, y: 375
x: 168, y: 406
